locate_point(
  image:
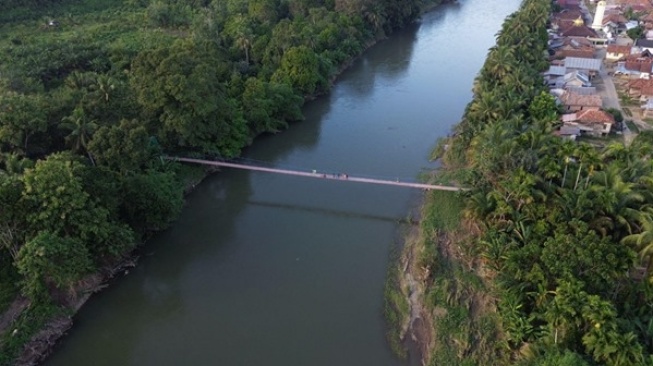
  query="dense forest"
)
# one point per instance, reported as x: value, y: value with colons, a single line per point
x: 562, y: 231
x: 94, y: 92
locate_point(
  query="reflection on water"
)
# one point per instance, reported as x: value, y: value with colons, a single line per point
x: 265, y: 269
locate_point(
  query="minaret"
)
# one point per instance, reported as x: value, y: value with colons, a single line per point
x: 598, y: 16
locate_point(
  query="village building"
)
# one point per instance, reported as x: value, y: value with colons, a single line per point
x: 592, y: 122
x: 581, y: 90
x: 637, y: 5
x: 641, y: 89
x: 568, y: 131
x: 647, y: 20
x: 575, y: 47
x: 642, y: 45
x: 576, y: 79
x: 577, y: 30
x: 573, y: 102
x: 554, y: 75
x: 614, y: 24
x: 616, y: 53
x: 588, y: 66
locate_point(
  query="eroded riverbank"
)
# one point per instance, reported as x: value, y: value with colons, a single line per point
x: 451, y: 313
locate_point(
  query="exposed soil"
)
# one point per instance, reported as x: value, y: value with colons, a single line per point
x: 419, y: 326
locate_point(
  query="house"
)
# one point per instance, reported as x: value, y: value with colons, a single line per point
x: 593, y: 122
x: 554, y: 76
x: 578, y: 31
x: 573, y: 102
x: 616, y: 53
x: 642, y: 65
x: 641, y: 88
x: 555, y: 41
x: 636, y: 5
x: 564, y: 20
x: 644, y: 45
x: 615, y: 21
x: 576, y: 79
x: 589, y: 66
x: 581, y: 90
x: 570, y: 14
x: 568, y: 131
x: 575, y: 47
x: 647, y: 20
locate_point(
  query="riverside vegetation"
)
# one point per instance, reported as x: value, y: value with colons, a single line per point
x: 551, y: 261
x: 93, y: 92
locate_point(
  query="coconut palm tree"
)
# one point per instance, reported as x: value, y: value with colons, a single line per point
x: 500, y: 62
x: 81, y: 130
x: 617, y: 199
x: 642, y: 242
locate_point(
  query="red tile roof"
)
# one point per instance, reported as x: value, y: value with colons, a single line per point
x: 573, y: 99
x: 624, y: 50
x: 648, y: 18
x: 636, y: 5
x: 616, y: 18
x: 578, y: 31
x: 572, y: 52
x: 575, y: 47
x: 639, y: 63
x: 643, y: 86
x: 569, y: 14
x: 593, y: 116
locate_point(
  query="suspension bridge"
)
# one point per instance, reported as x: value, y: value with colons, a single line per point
x: 315, y: 174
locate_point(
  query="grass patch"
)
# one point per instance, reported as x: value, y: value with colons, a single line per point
x: 625, y: 99
x: 627, y: 112
x: 648, y: 120
x: 443, y: 210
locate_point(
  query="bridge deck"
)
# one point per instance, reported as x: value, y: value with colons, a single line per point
x: 316, y: 174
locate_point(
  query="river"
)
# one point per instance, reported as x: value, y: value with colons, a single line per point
x: 265, y: 269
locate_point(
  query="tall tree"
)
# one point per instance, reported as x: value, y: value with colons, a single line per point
x: 80, y: 129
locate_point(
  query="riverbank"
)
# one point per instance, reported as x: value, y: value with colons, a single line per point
x: 451, y: 313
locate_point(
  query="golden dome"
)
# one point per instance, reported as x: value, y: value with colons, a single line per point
x: 579, y: 22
